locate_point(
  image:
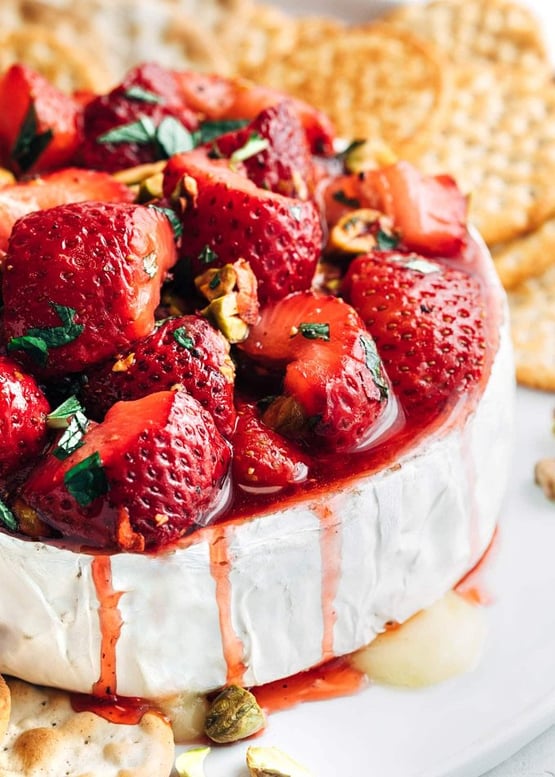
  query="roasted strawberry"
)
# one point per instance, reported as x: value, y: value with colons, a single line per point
x: 58, y: 188
x: 40, y: 127
x: 217, y: 98
x: 334, y: 388
x: 263, y: 460
x: 153, y: 470
x: 82, y: 281
x: 429, y: 324
x: 283, y: 162
x: 228, y: 217
x: 184, y: 351
x: 23, y: 411
x: 141, y: 120
x: 428, y: 212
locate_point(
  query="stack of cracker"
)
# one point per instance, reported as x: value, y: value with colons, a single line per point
x: 457, y: 86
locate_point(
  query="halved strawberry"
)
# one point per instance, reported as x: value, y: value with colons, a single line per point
x: 429, y: 322
x: 228, y: 217
x: 40, y: 127
x: 263, y: 460
x: 216, y: 97
x: 23, y: 411
x: 141, y: 120
x: 184, y: 351
x: 284, y: 163
x: 428, y: 212
x: 71, y: 184
x: 152, y: 471
x: 82, y: 281
x: 334, y: 389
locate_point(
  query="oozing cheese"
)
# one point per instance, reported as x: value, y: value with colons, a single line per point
x: 260, y: 599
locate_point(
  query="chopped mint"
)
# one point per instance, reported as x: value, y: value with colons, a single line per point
x: 314, y: 331
x: 7, y: 517
x: 173, y: 218
x: 386, y: 241
x: 30, y: 143
x: 142, y: 131
x: 207, y: 255
x: 36, y: 342
x: 172, y: 137
x: 180, y: 336
x: 87, y: 481
x: 72, y: 438
x: 350, y: 202
x: 373, y: 362
x: 143, y: 95
x: 254, y: 145
x: 210, y: 130
x: 60, y: 417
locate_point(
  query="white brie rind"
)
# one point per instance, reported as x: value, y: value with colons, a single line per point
x: 280, y: 592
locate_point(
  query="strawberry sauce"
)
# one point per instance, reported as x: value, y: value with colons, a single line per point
x: 110, y: 622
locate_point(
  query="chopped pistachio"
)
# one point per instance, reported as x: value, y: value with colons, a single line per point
x: 216, y: 281
x: 224, y: 314
x: 139, y: 173
x: 28, y: 521
x: 191, y: 762
x: 273, y: 762
x: 234, y: 714
x: 360, y: 231
x: 286, y: 416
x: 368, y: 155
x: 151, y: 188
x: 123, y: 364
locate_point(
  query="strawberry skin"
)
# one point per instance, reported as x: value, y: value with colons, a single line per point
x: 23, y: 411
x: 40, y: 127
x: 263, y: 460
x: 82, y: 281
x: 124, y: 105
x: 334, y: 390
x: 428, y: 322
x: 152, y: 471
x: 70, y: 184
x: 229, y: 218
x: 186, y: 350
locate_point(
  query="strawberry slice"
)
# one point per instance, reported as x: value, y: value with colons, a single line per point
x: 263, y: 460
x: 429, y: 324
x: 153, y: 470
x: 185, y: 350
x: 429, y: 212
x: 82, y: 281
x: 23, y: 411
x: 58, y: 188
x: 141, y: 120
x: 334, y: 388
x: 284, y: 163
x: 229, y: 218
x: 40, y: 127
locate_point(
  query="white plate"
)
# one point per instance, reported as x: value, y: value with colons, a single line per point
x: 469, y: 724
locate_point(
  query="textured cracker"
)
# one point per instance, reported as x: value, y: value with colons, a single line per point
x: 372, y: 81
x: 46, y: 738
x: 475, y: 31
x: 498, y: 141
x: 532, y: 305
x: 5, y: 706
x: 526, y: 256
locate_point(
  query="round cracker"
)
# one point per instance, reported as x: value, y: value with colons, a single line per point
x: 373, y: 81
x: 498, y: 31
x: 532, y: 306
x: 45, y: 736
x: 5, y: 706
x: 527, y: 256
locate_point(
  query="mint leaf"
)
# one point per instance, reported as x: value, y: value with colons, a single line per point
x: 254, y: 145
x: 59, y: 418
x: 173, y: 218
x: 210, y: 130
x: 385, y: 241
x: 7, y: 517
x: 142, y: 131
x: 350, y: 202
x: 207, y: 255
x: 314, y: 331
x: 72, y: 438
x: 172, y: 137
x: 180, y: 336
x: 374, y: 364
x: 143, y: 95
x: 30, y: 143
x: 87, y: 481
x: 36, y: 342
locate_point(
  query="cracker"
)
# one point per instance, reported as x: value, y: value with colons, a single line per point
x: 498, y: 141
x: 371, y: 81
x: 5, y: 706
x: 46, y: 738
x: 498, y: 31
x: 526, y: 256
x: 532, y: 306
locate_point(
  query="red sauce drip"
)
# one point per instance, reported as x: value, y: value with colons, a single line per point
x: 110, y: 625
x: 473, y: 586
x: 326, y: 681
x: 128, y: 710
x: 330, y: 546
x: 219, y: 567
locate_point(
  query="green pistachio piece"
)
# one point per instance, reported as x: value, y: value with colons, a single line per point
x: 191, y: 762
x: 234, y: 714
